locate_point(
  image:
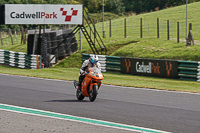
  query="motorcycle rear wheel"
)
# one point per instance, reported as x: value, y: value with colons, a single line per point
x: 93, y: 93
x: 79, y: 95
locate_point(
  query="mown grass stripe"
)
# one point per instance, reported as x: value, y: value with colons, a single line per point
x: 80, y: 119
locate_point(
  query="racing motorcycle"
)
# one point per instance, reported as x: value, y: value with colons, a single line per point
x: 90, y: 85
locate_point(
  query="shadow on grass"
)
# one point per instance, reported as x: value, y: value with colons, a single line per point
x: 113, y: 48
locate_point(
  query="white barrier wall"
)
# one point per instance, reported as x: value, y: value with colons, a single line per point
x: 102, y: 61
x: 21, y: 60
x: 108, y: 63
x: 198, y: 74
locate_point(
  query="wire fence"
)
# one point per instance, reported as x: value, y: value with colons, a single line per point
x: 20, y: 36
x: 121, y: 29
x: 9, y: 37
x: 142, y: 28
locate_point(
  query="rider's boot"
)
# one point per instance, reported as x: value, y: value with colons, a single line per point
x: 81, y: 77
x: 79, y: 86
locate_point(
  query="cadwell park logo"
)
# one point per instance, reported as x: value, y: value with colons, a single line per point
x: 168, y: 68
x: 45, y: 15
x: 36, y: 15
x: 148, y: 67
x: 68, y: 17
x: 128, y: 65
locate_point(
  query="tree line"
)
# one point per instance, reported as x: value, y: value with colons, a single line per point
x: 134, y: 6
x: 115, y: 6
x: 118, y: 7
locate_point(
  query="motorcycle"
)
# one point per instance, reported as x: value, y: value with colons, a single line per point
x: 90, y: 85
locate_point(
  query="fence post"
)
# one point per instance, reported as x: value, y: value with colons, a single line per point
x: 25, y: 34
x: 90, y: 30
x: 22, y: 35
x: 167, y: 29
x: 15, y: 32
x: 190, y: 26
x: 125, y: 28
x: 10, y: 34
x: 140, y: 27
x: 178, y: 34
x: 1, y: 39
x: 158, y: 28
x: 80, y: 39
x: 94, y: 30
x: 190, y: 35
x: 110, y: 28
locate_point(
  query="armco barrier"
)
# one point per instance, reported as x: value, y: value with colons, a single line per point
x: 187, y: 70
x: 108, y: 63
x: 198, y: 74
x: 21, y: 60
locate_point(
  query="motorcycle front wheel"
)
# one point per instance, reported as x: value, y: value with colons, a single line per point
x: 79, y: 95
x: 93, y: 93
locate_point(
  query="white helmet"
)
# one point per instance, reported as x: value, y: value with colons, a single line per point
x: 93, y: 59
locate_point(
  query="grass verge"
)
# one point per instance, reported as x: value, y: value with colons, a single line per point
x: 159, y: 49
x: 110, y: 78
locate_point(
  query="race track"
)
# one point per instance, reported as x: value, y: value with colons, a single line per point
x: 162, y: 110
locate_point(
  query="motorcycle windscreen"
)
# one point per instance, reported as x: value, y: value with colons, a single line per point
x: 95, y: 70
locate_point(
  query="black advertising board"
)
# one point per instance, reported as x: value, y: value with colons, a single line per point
x: 149, y: 67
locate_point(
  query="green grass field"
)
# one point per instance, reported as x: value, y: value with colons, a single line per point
x: 16, y: 46
x: 150, y: 46
x: 110, y: 78
x: 174, y: 15
x: 132, y: 46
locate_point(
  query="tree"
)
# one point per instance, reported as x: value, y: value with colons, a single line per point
x: 92, y: 5
x: 115, y: 6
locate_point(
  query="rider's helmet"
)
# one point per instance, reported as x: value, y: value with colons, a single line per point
x: 93, y: 59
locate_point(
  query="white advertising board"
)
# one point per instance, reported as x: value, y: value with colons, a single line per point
x: 43, y: 14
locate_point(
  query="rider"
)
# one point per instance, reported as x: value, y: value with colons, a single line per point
x: 92, y: 61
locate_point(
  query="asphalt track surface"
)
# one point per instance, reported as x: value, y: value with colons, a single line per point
x: 12, y: 122
x: 162, y: 110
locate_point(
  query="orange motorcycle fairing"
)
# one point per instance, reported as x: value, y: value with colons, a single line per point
x: 89, y: 81
x: 85, y: 85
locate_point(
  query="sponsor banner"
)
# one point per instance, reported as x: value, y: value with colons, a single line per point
x: 148, y: 67
x: 43, y: 14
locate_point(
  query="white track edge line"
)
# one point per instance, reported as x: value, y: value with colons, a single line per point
x: 77, y: 120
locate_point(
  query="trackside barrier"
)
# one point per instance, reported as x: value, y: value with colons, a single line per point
x: 108, y: 63
x: 188, y: 70
x: 21, y: 60
x: 198, y: 74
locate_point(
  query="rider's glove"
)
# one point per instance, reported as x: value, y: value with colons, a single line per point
x: 85, y: 73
